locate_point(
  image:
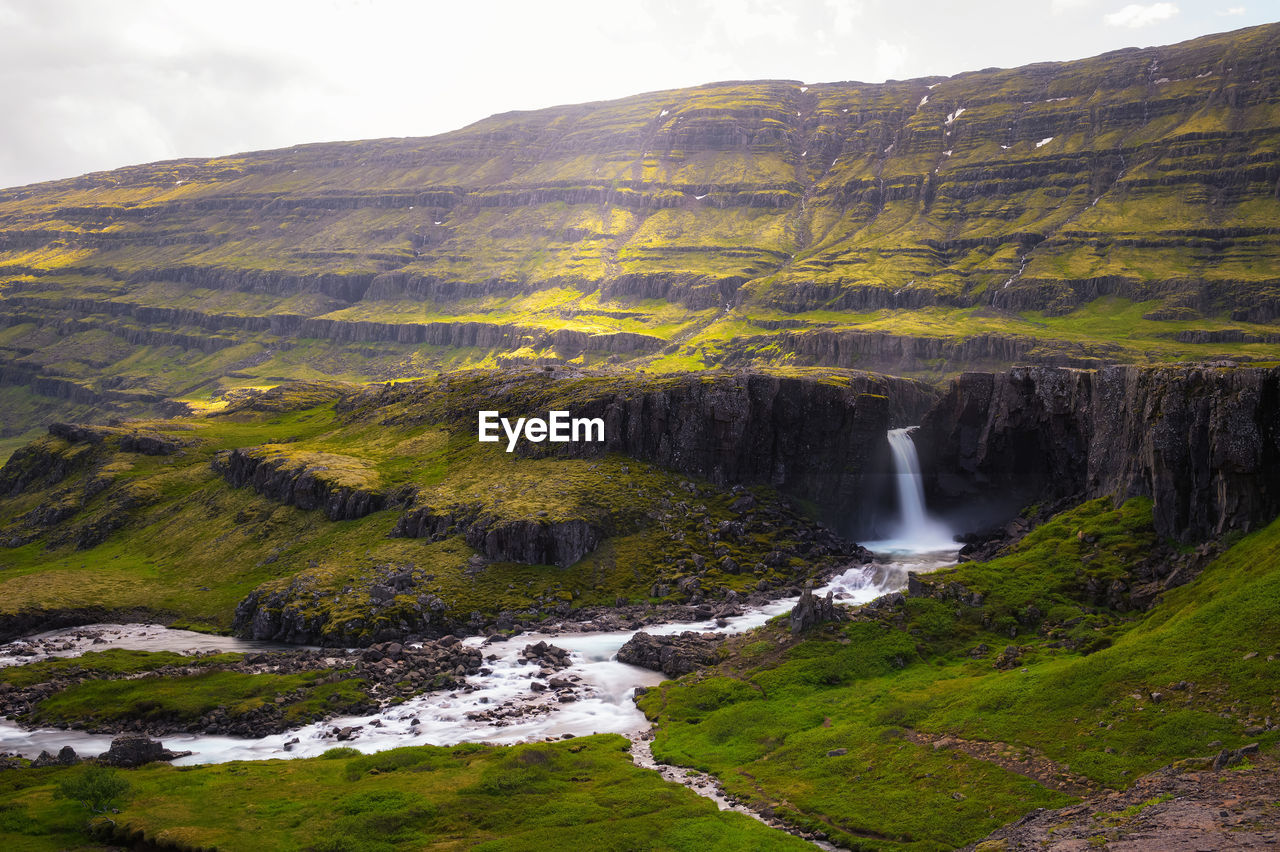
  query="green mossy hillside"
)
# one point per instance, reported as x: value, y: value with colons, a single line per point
x: 921, y: 723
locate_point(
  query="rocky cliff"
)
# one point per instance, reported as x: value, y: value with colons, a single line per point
x: 927, y: 226
x: 818, y: 437
x: 533, y: 541
x: 1203, y: 442
x: 340, y: 485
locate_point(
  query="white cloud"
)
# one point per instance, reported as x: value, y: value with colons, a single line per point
x: 1136, y: 15
x: 843, y: 13
x: 748, y: 20
x: 1234, y: 10
x: 891, y: 59
x: 1059, y: 7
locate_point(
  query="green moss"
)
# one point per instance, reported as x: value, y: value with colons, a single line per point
x: 584, y: 794
x: 183, y: 700
x: 116, y: 661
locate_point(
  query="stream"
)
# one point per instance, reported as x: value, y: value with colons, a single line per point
x: 518, y: 714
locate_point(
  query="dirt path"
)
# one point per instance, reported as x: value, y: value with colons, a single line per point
x: 1025, y: 761
x: 1186, y: 807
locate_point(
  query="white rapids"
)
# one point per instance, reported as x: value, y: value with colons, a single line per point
x: 605, y: 687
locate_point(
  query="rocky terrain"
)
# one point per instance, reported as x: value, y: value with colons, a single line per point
x: 672, y: 655
x: 1223, y: 802
x: 1119, y: 208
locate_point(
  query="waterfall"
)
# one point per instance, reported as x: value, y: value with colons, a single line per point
x: 915, y: 531
x: 906, y: 466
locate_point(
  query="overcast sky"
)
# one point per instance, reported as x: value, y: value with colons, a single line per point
x: 89, y: 84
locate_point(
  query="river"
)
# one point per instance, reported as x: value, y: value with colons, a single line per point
x: 605, y: 686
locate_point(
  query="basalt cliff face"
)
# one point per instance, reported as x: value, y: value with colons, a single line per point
x: 1203, y: 442
x: 925, y: 226
x: 819, y: 437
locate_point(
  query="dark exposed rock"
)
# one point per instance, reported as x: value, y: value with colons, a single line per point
x: 42, y: 463
x: 546, y: 655
x: 531, y: 541
x: 673, y: 655
x: 297, y: 482
x: 1225, y: 335
x: 907, y: 353
x: 1203, y: 442
x: 66, y: 757
x: 810, y: 439
x: 129, y: 750
x: 149, y: 445
x: 288, y: 614
x: 812, y: 610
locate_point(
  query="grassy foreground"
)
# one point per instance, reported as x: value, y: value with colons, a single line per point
x: 909, y: 728
x: 579, y: 794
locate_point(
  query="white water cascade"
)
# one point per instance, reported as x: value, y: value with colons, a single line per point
x: 916, y: 531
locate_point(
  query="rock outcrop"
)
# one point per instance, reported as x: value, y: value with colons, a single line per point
x: 307, y: 480
x: 673, y: 655
x: 811, y: 610
x: 1202, y: 441
x: 533, y: 541
x: 130, y: 750
x: 816, y: 441
x: 66, y: 756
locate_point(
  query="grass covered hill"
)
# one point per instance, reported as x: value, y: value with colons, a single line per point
x: 329, y: 513
x: 1119, y: 208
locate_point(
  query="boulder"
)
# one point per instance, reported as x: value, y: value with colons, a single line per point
x: 672, y: 655
x: 129, y: 750
x: 812, y: 610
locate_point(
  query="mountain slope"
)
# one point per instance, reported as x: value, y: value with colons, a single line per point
x: 1115, y: 208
